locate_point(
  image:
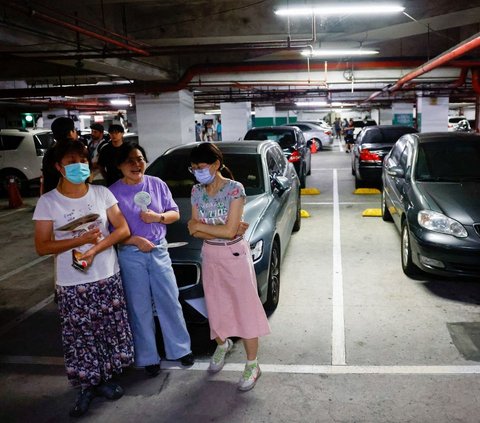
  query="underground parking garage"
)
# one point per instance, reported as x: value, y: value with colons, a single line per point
x: 353, y: 338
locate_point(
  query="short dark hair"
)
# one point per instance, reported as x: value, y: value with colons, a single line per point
x: 97, y: 127
x: 116, y: 128
x: 124, y: 151
x: 61, y: 127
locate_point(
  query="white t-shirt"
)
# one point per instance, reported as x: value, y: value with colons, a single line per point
x: 91, y: 210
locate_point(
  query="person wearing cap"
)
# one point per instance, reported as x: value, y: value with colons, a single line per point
x: 107, y: 156
x: 63, y: 129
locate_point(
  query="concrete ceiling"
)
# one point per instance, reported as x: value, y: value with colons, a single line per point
x: 228, y: 50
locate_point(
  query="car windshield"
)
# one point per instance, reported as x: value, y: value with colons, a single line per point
x: 456, y: 160
x: 173, y: 169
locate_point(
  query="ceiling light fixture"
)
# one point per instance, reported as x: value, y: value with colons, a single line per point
x: 337, y: 52
x: 345, y: 9
x: 311, y: 103
x: 120, y: 102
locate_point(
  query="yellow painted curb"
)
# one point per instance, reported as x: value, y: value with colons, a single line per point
x: 366, y: 191
x: 372, y: 213
x: 309, y: 191
x: 304, y: 213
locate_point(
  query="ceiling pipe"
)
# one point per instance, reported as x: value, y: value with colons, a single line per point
x: 199, y: 70
x: 76, y: 28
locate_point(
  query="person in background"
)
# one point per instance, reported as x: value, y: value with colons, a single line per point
x: 219, y: 130
x: 337, y: 126
x: 96, y: 143
x: 107, y: 162
x: 72, y: 222
x: 198, y: 131
x: 228, y: 274
x: 349, y: 136
x: 63, y: 129
x: 145, y: 264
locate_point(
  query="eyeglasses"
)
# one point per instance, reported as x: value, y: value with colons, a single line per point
x: 192, y: 170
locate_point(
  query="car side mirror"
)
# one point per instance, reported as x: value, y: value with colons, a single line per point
x: 281, y: 183
x: 396, y: 172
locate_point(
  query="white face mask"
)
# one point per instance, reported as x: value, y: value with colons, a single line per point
x: 204, y: 176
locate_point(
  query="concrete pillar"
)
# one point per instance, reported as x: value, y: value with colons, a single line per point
x: 432, y: 114
x: 385, y: 116
x: 164, y: 121
x: 236, y: 120
x: 265, y: 116
x: 402, y: 114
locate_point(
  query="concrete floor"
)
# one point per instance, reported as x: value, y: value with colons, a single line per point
x: 353, y: 339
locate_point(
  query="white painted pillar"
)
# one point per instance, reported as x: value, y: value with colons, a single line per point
x: 164, y: 121
x: 265, y: 116
x: 236, y: 120
x: 402, y: 114
x: 385, y: 116
x: 432, y: 114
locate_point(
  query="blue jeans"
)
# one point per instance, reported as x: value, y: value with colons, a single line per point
x: 149, y: 277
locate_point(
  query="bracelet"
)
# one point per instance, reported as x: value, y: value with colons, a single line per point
x: 162, y: 218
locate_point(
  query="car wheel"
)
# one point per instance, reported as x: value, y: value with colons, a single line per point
x: 358, y: 183
x: 19, y: 179
x: 303, y: 178
x: 408, y: 266
x: 273, y: 290
x: 298, y: 220
x: 386, y: 216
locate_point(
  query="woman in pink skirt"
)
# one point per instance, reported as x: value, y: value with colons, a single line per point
x: 229, y: 282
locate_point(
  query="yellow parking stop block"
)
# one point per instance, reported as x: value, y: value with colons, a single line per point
x: 304, y: 213
x: 366, y: 191
x: 372, y: 213
x: 309, y: 191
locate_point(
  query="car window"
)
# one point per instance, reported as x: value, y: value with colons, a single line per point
x: 173, y: 169
x: 280, y: 160
x: 448, y: 160
x: 11, y: 142
x: 272, y: 134
x: 273, y: 164
x: 303, y: 127
x: 396, y: 152
x: 404, y: 159
x: 44, y: 141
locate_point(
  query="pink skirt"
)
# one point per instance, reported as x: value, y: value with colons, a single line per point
x: 233, y: 305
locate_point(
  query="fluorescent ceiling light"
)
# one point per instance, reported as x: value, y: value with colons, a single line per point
x: 120, y: 102
x: 311, y: 103
x: 337, y: 52
x: 345, y: 9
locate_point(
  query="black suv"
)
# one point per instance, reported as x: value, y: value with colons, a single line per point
x: 293, y: 144
x: 372, y: 144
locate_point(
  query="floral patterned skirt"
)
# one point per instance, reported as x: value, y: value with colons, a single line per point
x: 97, y: 340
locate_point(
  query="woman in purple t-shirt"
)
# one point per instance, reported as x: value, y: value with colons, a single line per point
x: 146, y: 268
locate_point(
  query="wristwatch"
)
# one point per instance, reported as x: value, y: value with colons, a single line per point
x: 162, y: 218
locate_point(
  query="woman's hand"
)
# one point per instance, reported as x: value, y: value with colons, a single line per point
x: 92, y: 236
x: 143, y: 244
x: 149, y: 216
x: 242, y: 228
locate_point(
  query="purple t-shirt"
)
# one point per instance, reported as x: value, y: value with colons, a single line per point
x: 162, y: 201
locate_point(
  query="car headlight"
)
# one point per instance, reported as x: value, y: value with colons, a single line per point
x: 257, y: 250
x: 438, y: 222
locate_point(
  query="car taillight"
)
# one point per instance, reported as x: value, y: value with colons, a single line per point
x: 328, y: 132
x: 367, y: 156
x: 294, y: 157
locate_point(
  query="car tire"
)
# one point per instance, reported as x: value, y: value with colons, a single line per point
x: 358, y: 183
x: 408, y: 267
x: 298, y: 220
x: 303, y: 178
x: 386, y: 216
x: 273, y: 289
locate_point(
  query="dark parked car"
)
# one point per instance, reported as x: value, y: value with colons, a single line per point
x: 372, y: 144
x: 293, y: 144
x: 431, y: 190
x: 272, y: 210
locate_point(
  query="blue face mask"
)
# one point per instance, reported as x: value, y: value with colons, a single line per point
x: 77, y: 173
x: 204, y: 176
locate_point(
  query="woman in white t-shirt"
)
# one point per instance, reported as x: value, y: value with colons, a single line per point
x: 71, y: 222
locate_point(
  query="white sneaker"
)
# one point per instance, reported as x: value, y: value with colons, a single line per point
x: 249, y: 378
x: 218, y: 358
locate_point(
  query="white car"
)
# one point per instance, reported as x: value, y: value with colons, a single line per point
x: 453, y: 122
x: 21, y: 155
x: 316, y: 133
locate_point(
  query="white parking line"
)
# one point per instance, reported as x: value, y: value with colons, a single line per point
x: 15, y: 322
x: 310, y: 369
x: 22, y: 268
x: 338, y: 319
